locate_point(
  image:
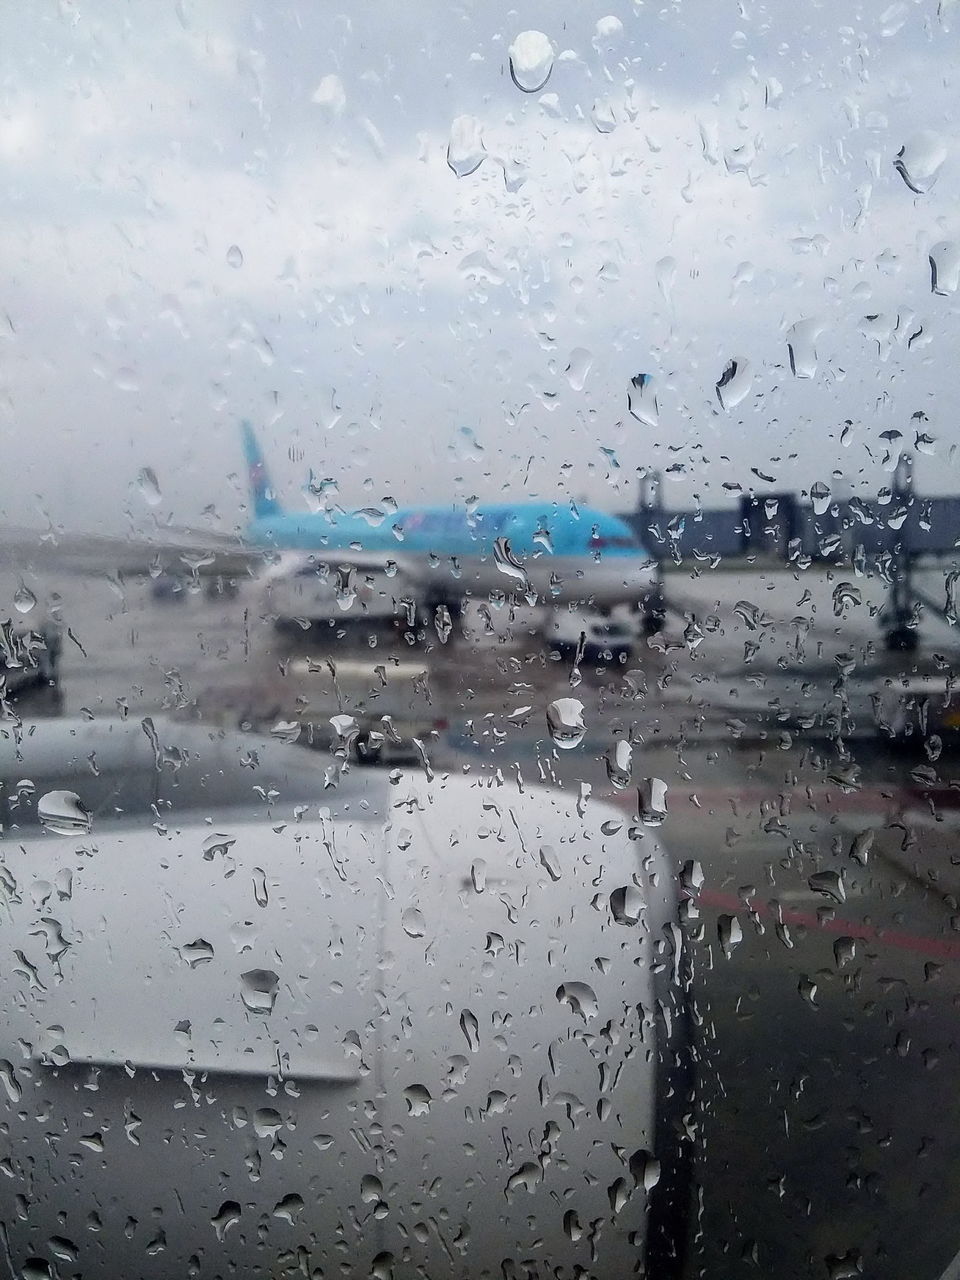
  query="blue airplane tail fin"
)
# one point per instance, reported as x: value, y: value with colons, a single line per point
x: 264, y: 499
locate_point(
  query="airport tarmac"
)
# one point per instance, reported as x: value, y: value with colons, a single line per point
x: 826, y: 933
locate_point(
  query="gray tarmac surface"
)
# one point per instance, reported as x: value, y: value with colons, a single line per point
x: 826, y: 935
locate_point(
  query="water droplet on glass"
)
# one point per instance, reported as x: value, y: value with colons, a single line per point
x: 471, y: 1029
x: 626, y: 904
x: 571, y: 1225
x: 286, y: 730
x: 945, y: 267
x: 63, y: 813
x: 642, y: 400
x: 801, y: 347
x: 581, y: 998
x: 417, y: 1097
x: 735, y: 383
x: 371, y: 1188
x: 861, y: 846
x: 478, y: 875
x: 620, y: 764
x: 565, y: 722
x: 820, y: 497
x: 645, y: 1170
x: 830, y: 884
x: 149, y: 486
x: 579, y: 366
x: 218, y: 843
x: 345, y: 727
x: 414, y: 925
x: 465, y: 150
x: 227, y: 1215
x: 9, y: 1080
x: 234, y: 256
x: 528, y: 1177
x: 653, y: 802
x: 618, y: 1193
x: 531, y: 60
x: 23, y: 599
x: 729, y: 933
x: 549, y: 861
x: 604, y: 121
x: 508, y: 564
x: 289, y: 1209
x: 920, y: 159
x: 259, y: 990
x: 197, y: 952
x: 330, y: 93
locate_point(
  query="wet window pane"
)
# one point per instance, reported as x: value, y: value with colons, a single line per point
x: 477, y: 638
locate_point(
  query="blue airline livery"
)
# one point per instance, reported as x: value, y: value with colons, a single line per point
x: 560, y: 553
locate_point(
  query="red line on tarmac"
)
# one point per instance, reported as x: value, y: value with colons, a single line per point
x: 936, y: 948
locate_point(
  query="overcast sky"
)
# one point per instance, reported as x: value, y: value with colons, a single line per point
x: 219, y: 210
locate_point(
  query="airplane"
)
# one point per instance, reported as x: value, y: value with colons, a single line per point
x: 548, y: 553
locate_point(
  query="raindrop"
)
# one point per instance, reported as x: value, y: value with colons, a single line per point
x: 267, y: 1122
x: 919, y: 160
x: 527, y: 1176
x: 465, y: 150
x: 618, y: 1193
x: 414, y: 925
x: 23, y: 599
x: 845, y: 593
x: 653, y: 802
x: 261, y: 897
x: 63, y: 813
x: 945, y: 267
x: 259, y: 990
x: 729, y: 933
x: 735, y: 383
x: 478, y: 875
x: 565, y: 722
x: 371, y: 1188
x: 531, y: 60
x: 330, y: 93
x: 471, y: 1030
x: 443, y: 623
x: 417, y: 1097
x: 578, y: 367
x: 861, y: 846
x: 830, y: 884
x: 9, y: 1080
x: 620, y: 764
x: 604, y: 121
x: 345, y: 727
x: 197, y: 952
x: 234, y: 256
x: 36, y: 1269
x: 219, y: 842
x: 508, y: 563
x: 227, y: 1215
x: 645, y: 1169
x: 820, y: 497
x: 642, y: 400
x: 844, y: 950
x: 581, y: 998
x: 149, y: 486
x: 286, y: 730
x: 381, y: 1268
x: 289, y: 1209
x: 571, y: 1225
x: 549, y: 861
x: 626, y: 904
x: 801, y: 347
